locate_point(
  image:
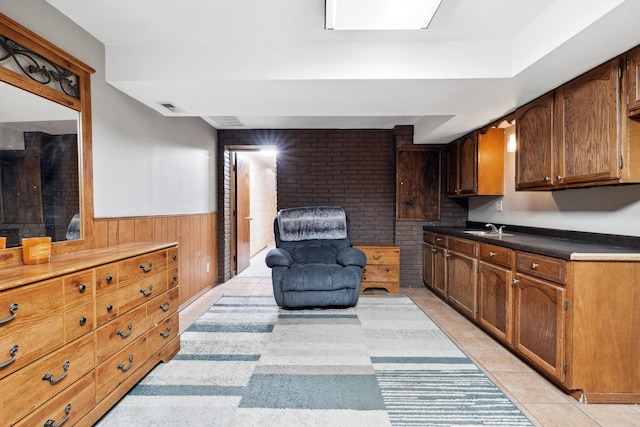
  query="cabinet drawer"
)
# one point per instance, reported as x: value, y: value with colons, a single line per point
x: 78, y: 320
x: 440, y: 240
x: 118, y: 367
x: 142, y: 266
x: 172, y: 278
x: 381, y: 255
x: 463, y: 246
x: 106, y: 305
x: 545, y: 267
x: 139, y: 292
x: 381, y: 273
x: 496, y: 254
x: 67, y: 407
x: 162, y: 306
x: 106, y: 277
x: 427, y: 237
x: 32, y: 324
x: 172, y: 257
x: 120, y: 332
x: 43, y: 379
x: 163, y: 333
x: 79, y: 288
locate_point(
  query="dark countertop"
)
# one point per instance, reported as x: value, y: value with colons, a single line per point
x: 556, y: 247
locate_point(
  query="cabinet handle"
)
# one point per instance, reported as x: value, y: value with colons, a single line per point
x: 433, y: 251
x: 376, y: 257
x: 447, y: 255
x: 164, y: 334
x: 124, y: 368
x: 534, y: 265
x: 52, y: 380
x: 144, y: 267
x: 82, y: 321
x: 52, y: 423
x: 109, y: 308
x: 145, y: 293
x: 547, y: 179
x: 558, y: 177
x: 124, y: 335
x: 165, y: 307
x: 82, y: 288
x: 175, y: 277
x: 175, y: 257
x: 492, y: 254
x: 515, y: 281
x: 12, y: 309
x: 109, y: 279
x: 12, y: 352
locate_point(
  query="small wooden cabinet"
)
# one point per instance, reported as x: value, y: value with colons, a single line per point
x: 461, y: 265
x: 383, y: 267
x: 632, y: 67
x: 476, y: 164
x: 495, y: 294
x: 418, y: 184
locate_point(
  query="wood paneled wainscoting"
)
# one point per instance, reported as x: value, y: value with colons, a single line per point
x: 196, y: 235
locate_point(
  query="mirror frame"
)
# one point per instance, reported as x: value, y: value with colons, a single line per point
x: 82, y: 105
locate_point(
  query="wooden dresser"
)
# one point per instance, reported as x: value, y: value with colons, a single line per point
x: 76, y: 334
x: 383, y: 267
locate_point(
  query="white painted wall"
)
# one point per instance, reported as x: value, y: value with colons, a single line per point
x: 610, y: 210
x: 144, y: 163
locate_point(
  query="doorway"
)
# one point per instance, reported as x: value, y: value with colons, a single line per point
x: 253, y: 208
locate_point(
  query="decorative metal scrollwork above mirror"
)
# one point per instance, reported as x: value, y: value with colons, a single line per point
x: 45, y: 143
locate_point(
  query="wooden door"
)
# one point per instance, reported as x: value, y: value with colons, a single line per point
x: 534, y: 135
x: 540, y: 323
x: 468, y: 164
x: 633, y: 80
x: 243, y: 213
x: 418, y: 185
x: 461, y: 282
x: 494, y: 301
x: 587, y: 127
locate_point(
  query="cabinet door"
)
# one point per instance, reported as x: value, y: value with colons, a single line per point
x: 452, y: 169
x: 494, y: 301
x: 461, y: 281
x: 540, y: 323
x: 534, y: 135
x: 418, y: 185
x: 468, y: 164
x: 427, y: 264
x: 633, y: 80
x: 587, y: 127
x: 439, y: 272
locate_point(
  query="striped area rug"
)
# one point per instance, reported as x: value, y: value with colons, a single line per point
x: 382, y: 363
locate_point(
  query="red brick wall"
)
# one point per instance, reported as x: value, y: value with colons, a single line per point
x: 354, y: 169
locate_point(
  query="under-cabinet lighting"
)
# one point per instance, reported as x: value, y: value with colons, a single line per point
x: 379, y: 14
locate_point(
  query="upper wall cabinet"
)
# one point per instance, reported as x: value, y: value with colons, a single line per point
x: 633, y: 81
x: 476, y: 164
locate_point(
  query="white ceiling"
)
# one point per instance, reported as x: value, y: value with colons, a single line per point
x: 271, y: 64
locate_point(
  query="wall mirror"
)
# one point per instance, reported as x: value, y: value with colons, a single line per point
x: 45, y: 144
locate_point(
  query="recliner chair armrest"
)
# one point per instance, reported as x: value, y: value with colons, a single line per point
x: 278, y: 257
x: 351, y: 256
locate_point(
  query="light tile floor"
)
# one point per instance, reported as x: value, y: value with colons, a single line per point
x: 543, y: 403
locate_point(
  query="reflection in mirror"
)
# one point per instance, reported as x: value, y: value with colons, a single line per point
x: 39, y: 167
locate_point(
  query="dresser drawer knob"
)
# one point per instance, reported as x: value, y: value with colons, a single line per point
x: 166, y: 334
x: 534, y: 265
x: 12, y: 352
x: 109, y: 308
x: 175, y: 257
x: 67, y: 412
x: 376, y: 257
x: 124, y: 368
x: 166, y: 307
x: 52, y: 380
x: 82, y: 321
x: 82, y: 288
x: 124, y: 335
x: 12, y: 309
x: 109, y: 279
x: 145, y: 293
x: 175, y: 277
x: 145, y: 268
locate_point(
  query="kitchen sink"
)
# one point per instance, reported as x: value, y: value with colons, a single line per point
x: 486, y: 233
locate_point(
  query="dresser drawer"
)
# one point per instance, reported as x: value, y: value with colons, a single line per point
x: 381, y: 273
x: 32, y: 324
x: 172, y: 277
x: 119, y: 366
x: 40, y: 381
x: 496, y: 254
x: 106, y: 277
x: 545, y: 267
x: 79, y: 288
x: 172, y: 257
x: 163, y: 333
x: 139, y: 292
x: 462, y: 246
x: 142, y: 266
x: 381, y: 255
x: 66, y: 408
x: 162, y: 306
x: 121, y: 331
x: 78, y: 320
x: 106, y: 305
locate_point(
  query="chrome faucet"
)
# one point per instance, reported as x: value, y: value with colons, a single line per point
x: 493, y: 228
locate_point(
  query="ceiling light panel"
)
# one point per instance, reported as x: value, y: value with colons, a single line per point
x: 379, y: 14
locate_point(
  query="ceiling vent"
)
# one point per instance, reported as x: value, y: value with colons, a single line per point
x: 227, y: 121
x: 171, y: 107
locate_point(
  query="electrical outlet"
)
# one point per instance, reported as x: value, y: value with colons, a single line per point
x: 208, y: 267
x: 498, y: 206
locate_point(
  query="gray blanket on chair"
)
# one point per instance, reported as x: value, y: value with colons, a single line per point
x: 308, y: 223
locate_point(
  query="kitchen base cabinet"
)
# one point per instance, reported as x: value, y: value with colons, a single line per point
x: 82, y: 337
x: 494, y: 301
x: 461, y: 266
